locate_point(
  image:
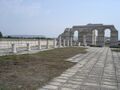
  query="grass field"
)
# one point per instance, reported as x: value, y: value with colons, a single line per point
x: 116, y: 49
x: 31, y: 71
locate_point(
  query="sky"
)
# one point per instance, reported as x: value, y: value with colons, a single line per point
x: 51, y: 17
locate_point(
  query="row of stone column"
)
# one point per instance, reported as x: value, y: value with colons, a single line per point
x: 101, y: 38
x: 28, y: 45
x: 69, y: 43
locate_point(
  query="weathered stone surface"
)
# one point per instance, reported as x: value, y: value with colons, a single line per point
x: 96, y: 70
x: 86, y: 35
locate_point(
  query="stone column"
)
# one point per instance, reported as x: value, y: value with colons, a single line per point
x: 28, y: 47
x: 100, y: 41
x: 68, y: 43
x: 47, y: 44
x: 93, y: 38
x: 39, y: 44
x: 81, y: 37
x: 79, y: 44
x: 114, y: 38
x: 64, y: 43
x: 54, y: 43
x: 71, y: 41
x: 84, y: 40
x: 90, y: 38
x: 14, y: 49
x: 60, y: 42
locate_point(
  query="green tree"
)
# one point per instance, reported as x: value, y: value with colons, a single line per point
x: 1, y: 35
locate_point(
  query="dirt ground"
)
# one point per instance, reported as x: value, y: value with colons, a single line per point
x: 32, y: 71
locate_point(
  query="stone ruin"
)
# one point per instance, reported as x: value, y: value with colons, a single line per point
x: 86, y: 35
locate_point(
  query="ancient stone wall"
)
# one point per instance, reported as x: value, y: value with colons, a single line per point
x: 86, y: 35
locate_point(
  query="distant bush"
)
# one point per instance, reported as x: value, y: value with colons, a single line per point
x: 11, y: 37
x: 117, y: 46
x: 96, y: 46
x: 1, y: 35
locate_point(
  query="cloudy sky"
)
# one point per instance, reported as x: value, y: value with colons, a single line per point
x: 50, y: 17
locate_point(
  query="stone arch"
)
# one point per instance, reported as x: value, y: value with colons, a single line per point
x: 86, y: 30
x: 107, y: 36
x: 113, y: 35
x: 75, y: 37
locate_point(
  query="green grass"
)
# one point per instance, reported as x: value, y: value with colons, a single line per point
x: 116, y: 49
x: 30, y: 71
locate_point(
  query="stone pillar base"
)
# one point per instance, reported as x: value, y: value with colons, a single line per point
x: 28, y: 47
x: 14, y: 49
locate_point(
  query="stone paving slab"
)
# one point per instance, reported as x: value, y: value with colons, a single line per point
x: 99, y: 69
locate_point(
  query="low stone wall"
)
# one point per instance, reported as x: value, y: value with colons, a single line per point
x: 17, y: 45
x: 7, y: 43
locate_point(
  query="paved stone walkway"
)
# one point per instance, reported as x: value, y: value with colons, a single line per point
x: 99, y: 69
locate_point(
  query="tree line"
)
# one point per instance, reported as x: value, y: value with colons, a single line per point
x: 12, y: 37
